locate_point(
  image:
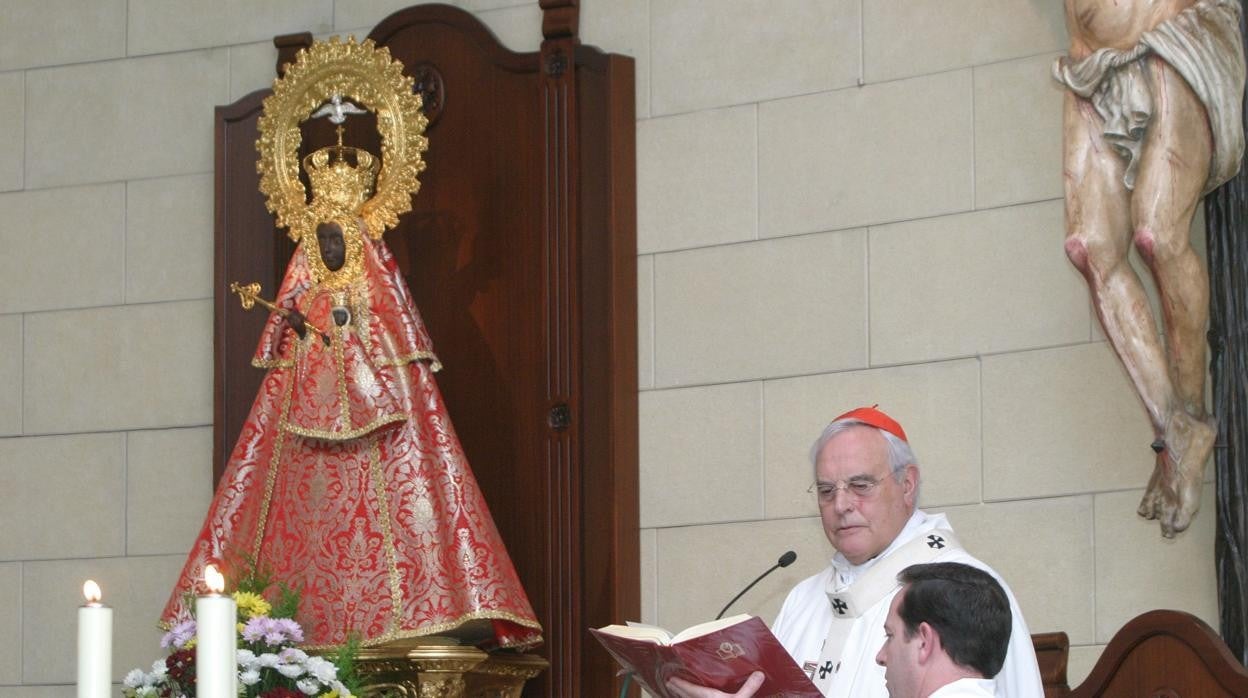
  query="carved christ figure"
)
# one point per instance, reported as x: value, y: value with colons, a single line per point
x: 1152, y: 122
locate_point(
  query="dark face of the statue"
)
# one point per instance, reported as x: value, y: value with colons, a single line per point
x: 333, y: 250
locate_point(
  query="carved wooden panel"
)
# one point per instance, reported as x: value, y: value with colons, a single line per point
x: 1165, y: 654
x: 520, y: 253
x: 1052, y: 651
x: 1159, y: 654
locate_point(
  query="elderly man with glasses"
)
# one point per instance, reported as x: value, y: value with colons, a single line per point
x: 867, y: 484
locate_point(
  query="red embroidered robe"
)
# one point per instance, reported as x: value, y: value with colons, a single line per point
x: 348, y: 482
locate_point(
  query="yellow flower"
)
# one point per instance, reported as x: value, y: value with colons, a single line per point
x: 331, y: 694
x: 251, y: 605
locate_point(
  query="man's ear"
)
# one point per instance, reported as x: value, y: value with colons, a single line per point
x: 929, y: 642
x: 910, y: 483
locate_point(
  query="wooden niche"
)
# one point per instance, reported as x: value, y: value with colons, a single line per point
x: 520, y: 252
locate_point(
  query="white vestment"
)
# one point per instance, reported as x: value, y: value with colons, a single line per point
x: 806, y: 616
x: 966, y: 688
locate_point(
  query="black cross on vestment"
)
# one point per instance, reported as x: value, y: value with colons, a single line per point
x: 839, y: 606
x: 935, y: 541
x: 825, y: 669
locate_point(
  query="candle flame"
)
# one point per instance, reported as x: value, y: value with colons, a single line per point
x: 91, y: 590
x: 214, y: 579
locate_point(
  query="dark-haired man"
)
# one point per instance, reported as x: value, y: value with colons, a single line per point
x: 946, y: 634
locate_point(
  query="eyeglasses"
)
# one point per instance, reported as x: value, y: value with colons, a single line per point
x: 859, y: 487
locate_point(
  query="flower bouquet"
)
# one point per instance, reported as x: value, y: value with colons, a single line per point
x: 269, y: 663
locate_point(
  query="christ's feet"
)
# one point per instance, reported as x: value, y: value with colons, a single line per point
x: 1173, y: 495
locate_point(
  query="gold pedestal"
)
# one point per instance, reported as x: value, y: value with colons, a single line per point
x: 503, y: 675
x: 436, y: 668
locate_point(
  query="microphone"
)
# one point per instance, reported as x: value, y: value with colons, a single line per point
x: 784, y: 561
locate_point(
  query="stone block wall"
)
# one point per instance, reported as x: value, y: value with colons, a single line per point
x: 839, y: 202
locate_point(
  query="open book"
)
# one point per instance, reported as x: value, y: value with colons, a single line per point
x: 721, y: 654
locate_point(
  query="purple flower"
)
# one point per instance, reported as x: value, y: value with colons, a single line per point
x: 179, y: 635
x: 256, y: 628
x: 291, y: 628
x: 273, y: 632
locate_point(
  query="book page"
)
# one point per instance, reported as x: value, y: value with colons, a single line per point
x: 709, y: 627
x: 662, y: 636
x: 639, y: 631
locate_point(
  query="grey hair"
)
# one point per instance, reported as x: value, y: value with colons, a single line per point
x: 899, y: 452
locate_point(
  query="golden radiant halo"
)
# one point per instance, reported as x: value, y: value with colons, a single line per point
x: 362, y: 73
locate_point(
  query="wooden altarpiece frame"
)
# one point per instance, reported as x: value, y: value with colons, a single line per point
x: 520, y: 252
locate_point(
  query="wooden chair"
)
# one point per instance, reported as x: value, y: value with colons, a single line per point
x: 1160, y: 654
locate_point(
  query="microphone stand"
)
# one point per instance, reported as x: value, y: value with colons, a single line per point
x: 785, y: 560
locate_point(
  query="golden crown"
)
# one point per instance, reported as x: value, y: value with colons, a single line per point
x: 342, y: 177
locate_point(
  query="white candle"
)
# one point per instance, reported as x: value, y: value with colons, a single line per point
x: 216, y: 646
x: 95, y: 645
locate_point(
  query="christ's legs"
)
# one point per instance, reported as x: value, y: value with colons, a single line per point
x: 1174, y: 164
x: 1098, y: 234
x: 1099, y: 227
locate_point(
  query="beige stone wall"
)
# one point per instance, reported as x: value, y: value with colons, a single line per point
x: 860, y: 202
x: 840, y: 202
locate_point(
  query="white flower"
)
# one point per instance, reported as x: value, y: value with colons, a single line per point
x: 342, y: 689
x: 308, y: 686
x: 145, y: 690
x: 267, y: 660
x: 290, y: 671
x: 293, y: 655
x: 246, y: 658
x: 158, y: 671
x: 323, y: 669
x: 250, y: 677
x: 134, y: 679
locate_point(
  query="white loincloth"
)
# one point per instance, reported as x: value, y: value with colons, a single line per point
x: 1202, y: 43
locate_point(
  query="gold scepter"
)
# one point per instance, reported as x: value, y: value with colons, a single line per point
x: 249, y: 295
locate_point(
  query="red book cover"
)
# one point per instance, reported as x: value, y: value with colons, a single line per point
x: 719, y: 654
